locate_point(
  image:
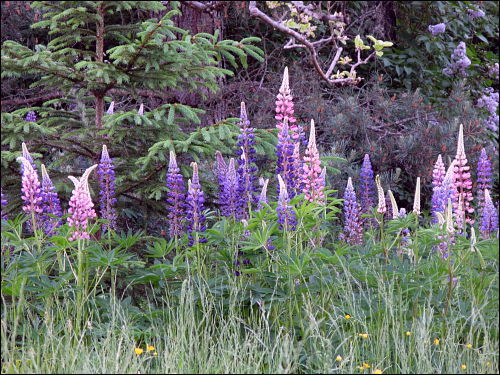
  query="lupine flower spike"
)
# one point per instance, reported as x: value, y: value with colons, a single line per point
x: 394, y: 205
x: 31, y: 189
x: 353, y: 230
x: 27, y: 156
x: 50, y: 204
x: 141, y: 110
x: 445, y: 191
x: 80, y: 206
x: 230, y: 199
x: 111, y: 108
x: 489, y: 219
x: 107, y: 200
x: 286, y: 164
x: 463, y: 181
x: 367, y: 186
x: 313, y: 183
x: 483, y: 178
x: 437, y: 180
x: 246, y: 162
x: 220, y: 171
x: 447, y: 221
x: 194, y: 215
x: 176, y: 197
x: 381, y: 208
x: 285, y: 111
x: 263, y: 193
x: 286, y: 215
x: 416, y: 201
x: 4, y: 203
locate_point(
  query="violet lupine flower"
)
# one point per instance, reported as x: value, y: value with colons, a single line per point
x: 437, y: 29
x: 437, y: 180
x: 30, y: 116
x: 489, y: 219
x: 483, y: 178
x: 286, y: 214
x: 444, y: 192
x: 475, y: 13
x: 50, y: 204
x: 367, y: 186
x: 27, y: 156
x: 493, y: 71
x: 194, y: 213
x: 489, y: 101
x: 4, y: 203
x: 263, y: 193
x: 285, y: 111
x: 107, y: 200
x: 246, y: 163
x: 459, y: 62
x: 230, y: 199
x: 311, y: 177
x: 80, y: 206
x: 447, y: 221
x: 220, y: 172
x: 176, y: 198
x: 463, y: 182
x: 286, y: 164
x: 111, y: 108
x: 382, y: 206
x: 31, y: 189
x: 353, y: 229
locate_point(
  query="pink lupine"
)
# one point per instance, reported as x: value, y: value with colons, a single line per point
x: 437, y: 180
x: 463, y: 182
x: 284, y: 108
x: 31, y: 189
x: 313, y: 183
x: 416, y: 200
x: 80, y: 206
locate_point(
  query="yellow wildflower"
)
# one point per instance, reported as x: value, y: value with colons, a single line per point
x: 377, y: 371
x: 463, y: 367
x: 363, y: 335
x: 436, y: 341
x: 150, y: 348
x: 155, y: 354
x: 138, y: 351
x: 338, y: 359
x: 361, y: 368
x: 366, y: 365
x: 408, y: 333
x: 469, y: 346
x: 347, y: 316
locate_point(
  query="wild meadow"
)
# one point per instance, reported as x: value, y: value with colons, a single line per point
x: 137, y: 236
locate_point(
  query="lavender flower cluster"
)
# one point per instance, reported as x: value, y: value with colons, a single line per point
x: 437, y: 29
x: 459, y: 62
x: 489, y: 101
x: 475, y: 13
x: 107, y: 200
x: 176, y: 197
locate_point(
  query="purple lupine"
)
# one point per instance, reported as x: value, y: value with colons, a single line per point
x: 286, y: 215
x: 437, y: 180
x: 50, y: 204
x: 194, y: 215
x: 4, y: 203
x: 483, y: 178
x: 27, y: 156
x: 111, y: 108
x: 80, y: 206
x: 32, y: 193
x: 446, y: 220
x: 475, y: 13
x: 230, y: 198
x: 30, y: 116
x: 285, y: 111
x: 444, y: 192
x: 285, y: 164
x: 353, y: 229
x: 311, y: 172
x: 459, y: 62
x: 246, y: 163
x: 463, y: 182
x: 176, y: 198
x: 493, y: 71
x: 437, y: 29
x: 489, y: 101
x: 489, y: 219
x: 367, y: 186
x: 220, y: 172
x: 263, y: 193
x: 107, y: 200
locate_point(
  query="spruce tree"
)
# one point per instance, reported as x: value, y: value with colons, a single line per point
x: 103, y: 50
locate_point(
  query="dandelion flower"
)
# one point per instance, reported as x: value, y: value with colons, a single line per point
x: 377, y: 371
x: 347, y: 316
x: 366, y: 365
x: 408, y: 333
x: 338, y: 359
x: 138, y: 351
x: 469, y: 346
x: 436, y: 341
x: 150, y: 348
